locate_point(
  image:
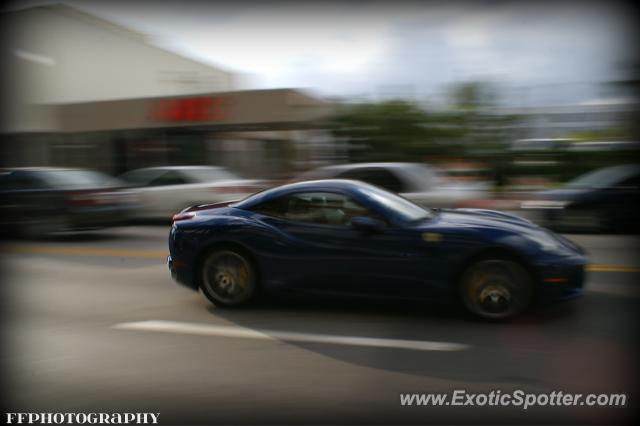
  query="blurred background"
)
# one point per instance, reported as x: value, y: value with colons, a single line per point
x: 509, y: 105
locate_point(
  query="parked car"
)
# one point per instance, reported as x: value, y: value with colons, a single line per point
x: 40, y: 201
x: 349, y: 238
x: 417, y: 182
x: 164, y: 190
x: 541, y: 144
x: 605, y: 146
x: 602, y: 200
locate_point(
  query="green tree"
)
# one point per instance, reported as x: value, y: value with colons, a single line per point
x: 391, y: 131
x: 398, y: 130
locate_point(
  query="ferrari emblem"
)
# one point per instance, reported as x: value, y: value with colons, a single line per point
x: 432, y: 238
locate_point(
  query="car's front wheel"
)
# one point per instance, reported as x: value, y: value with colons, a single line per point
x: 228, y: 277
x: 496, y: 288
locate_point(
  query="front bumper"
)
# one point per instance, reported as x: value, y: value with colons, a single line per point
x: 561, y: 281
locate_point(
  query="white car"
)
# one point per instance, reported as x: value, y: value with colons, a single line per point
x: 165, y: 191
x: 416, y: 182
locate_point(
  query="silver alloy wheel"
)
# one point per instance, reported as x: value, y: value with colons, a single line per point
x: 496, y: 289
x: 228, y: 278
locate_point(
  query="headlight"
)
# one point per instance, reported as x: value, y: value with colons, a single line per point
x: 548, y: 244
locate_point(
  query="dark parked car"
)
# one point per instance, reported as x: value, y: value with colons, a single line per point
x: 164, y: 190
x: 603, y: 200
x: 40, y: 201
x: 344, y: 237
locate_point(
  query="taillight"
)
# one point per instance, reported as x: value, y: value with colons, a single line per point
x: 235, y: 189
x: 207, y: 207
x: 86, y: 199
x: 182, y: 216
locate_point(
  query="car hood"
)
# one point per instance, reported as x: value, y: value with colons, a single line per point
x: 479, y: 218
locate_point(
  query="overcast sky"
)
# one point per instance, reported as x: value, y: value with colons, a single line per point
x: 378, y: 47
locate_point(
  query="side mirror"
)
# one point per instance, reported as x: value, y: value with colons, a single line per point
x: 366, y: 223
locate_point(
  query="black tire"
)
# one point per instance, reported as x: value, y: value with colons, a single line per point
x: 495, y: 288
x: 228, y: 277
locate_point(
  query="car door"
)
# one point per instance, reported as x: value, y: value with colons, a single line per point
x: 169, y: 194
x: 325, y: 253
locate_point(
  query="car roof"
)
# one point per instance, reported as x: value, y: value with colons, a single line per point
x: 178, y: 168
x: 313, y: 185
x: 366, y: 165
x: 39, y: 169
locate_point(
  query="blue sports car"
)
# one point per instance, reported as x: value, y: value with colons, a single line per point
x: 349, y: 238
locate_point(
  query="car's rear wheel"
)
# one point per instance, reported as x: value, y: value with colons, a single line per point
x: 496, y: 288
x: 228, y: 277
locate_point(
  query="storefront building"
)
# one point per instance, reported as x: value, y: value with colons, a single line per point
x: 80, y: 91
x: 257, y: 133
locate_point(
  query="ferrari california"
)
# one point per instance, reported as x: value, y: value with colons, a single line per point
x: 349, y: 238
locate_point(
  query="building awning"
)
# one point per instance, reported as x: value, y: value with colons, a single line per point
x: 225, y: 111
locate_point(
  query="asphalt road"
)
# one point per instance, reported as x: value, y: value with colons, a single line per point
x: 93, y: 323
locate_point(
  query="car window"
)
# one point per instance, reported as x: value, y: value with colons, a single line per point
x: 376, y: 176
x: 421, y: 176
x: 607, y: 177
x: 19, y: 182
x: 140, y: 177
x: 211, y: 174
x: 323, y: 208
x: 61, y: 178
x: 170, y: 178
x: 632, y: 182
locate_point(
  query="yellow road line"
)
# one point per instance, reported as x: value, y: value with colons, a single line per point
x: 86, y: 251
x: 613, y: 268
x: 162, y: 255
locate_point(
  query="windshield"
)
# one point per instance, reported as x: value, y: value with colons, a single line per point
x: 212, y: 174
x: 602, y: 177
x: 394, y: 204
x: 58, y: 178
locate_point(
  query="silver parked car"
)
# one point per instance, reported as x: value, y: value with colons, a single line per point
x: 165, y: 191
x: 417, y: 182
